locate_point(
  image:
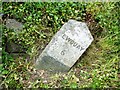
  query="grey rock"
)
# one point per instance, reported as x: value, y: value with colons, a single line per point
x: 13, y: 24
x: 65, y: 48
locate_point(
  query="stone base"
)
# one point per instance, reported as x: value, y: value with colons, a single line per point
x: 50, y: 64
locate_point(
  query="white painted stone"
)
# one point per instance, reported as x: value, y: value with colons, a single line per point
x: 65, y: 48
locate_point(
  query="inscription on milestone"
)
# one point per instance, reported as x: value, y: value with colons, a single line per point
x: 72, y: 42
x: 63, y: 52
x: 65, y: 48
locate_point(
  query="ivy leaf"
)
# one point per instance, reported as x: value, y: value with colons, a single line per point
x: 56, y: 18
x: 73, y: 85
x: 5, y: 72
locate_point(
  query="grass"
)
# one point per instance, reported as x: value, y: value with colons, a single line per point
x: 96, y: 68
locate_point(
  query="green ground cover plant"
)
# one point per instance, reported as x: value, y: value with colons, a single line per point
x: 98, y: 66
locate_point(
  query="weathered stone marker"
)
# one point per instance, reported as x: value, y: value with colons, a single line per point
x: 65, y: 48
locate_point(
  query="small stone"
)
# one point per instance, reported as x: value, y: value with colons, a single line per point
x: 12, y: 47
x: 65, y: 48
x: 13, y: 24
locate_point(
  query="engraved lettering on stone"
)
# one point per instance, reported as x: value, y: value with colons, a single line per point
x: 72, y: 42
x: 63, y: 52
